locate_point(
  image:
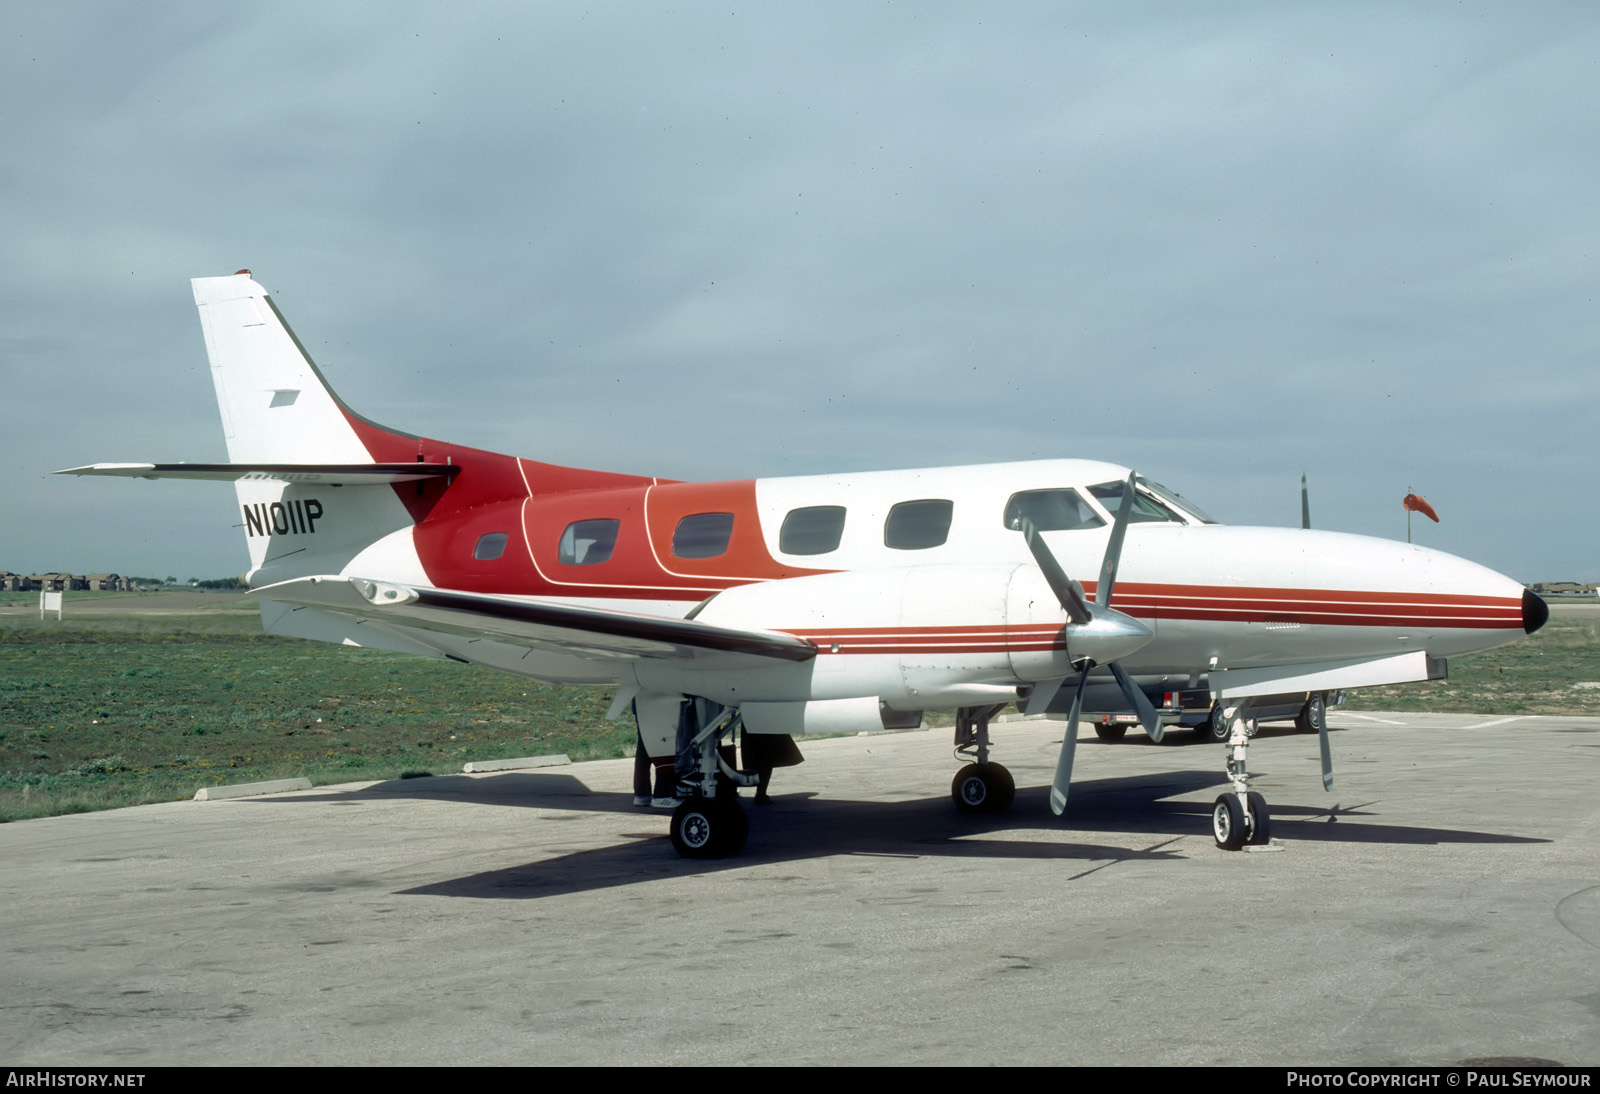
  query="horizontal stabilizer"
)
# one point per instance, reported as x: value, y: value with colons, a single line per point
x: 331, y: 474
x: 585, y: 632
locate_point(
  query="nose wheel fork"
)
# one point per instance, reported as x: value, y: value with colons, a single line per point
x: 1240, y: 816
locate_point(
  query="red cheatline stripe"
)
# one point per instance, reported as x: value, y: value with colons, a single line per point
x: 1348, y: 615
x: 1311, y: 607
x: 996, y: 630
x: 1326, y: 606
x: 1196, y: 603
x: 995, y: 637
x: 986, y: 638
x: 1233, y: 594
x: 845, y: 647
x: 1369, y: 620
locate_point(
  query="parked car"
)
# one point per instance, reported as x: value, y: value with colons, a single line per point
x: 1194, y: 710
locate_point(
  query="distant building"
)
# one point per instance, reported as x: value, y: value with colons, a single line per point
x: 57, y: 583
x: 1565, y: 588
x: 64, y: 582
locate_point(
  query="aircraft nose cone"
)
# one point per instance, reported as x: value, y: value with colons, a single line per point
x: 1534, y: 612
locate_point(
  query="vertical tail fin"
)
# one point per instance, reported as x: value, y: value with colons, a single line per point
x: 323, y: 490
x: 276, y: 407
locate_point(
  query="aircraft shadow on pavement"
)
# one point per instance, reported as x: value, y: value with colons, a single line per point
x: 519, y: 789
x: 801, y: 826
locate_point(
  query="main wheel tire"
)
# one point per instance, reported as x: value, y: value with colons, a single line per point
x: 1113, y: 732
x: 1260, y: 819
x: 709, y: 828
x: 1215, y: 727
x: 983, y: 788
x: 1228, y: 824
x: 1313, y: 717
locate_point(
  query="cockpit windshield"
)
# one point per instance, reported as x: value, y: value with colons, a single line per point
x: 1051, y: 511
x: 1179, y: 500
x: 1151, y: 502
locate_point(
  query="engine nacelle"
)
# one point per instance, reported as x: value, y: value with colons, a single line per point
x: 859, y: 715
x: 916, y: 637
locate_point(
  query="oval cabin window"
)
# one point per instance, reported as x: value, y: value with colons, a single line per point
x: 702, y: 535
x: 918, y: 525
x: 491, y: 546
x: 588, y: 542
x: 813, y: 530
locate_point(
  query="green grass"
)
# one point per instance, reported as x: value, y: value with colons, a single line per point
x: 130, y: 709
x: 146, y: 598
x: 101, y: 711
x: 1538, y: 675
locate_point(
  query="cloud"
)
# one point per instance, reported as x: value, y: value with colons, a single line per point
x: 1221, y: 245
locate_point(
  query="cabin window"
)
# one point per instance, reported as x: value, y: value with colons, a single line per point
x: 1145, y: 508
x: 702, y: 535
x: 1051, y: 511
x: 490, y: 547
x: 918, y: 525
x: 588, y: 542
x: 814, y: 530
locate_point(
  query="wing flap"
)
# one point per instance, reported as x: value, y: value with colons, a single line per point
x: 586, y: 632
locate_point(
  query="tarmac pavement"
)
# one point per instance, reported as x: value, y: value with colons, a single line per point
x: 1441, y: 904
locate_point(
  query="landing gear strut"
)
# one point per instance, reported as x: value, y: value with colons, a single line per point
x: 981, y: 786
x: 1240, y: 816
x: 710, y: 823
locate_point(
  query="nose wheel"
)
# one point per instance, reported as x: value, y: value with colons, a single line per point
x: 1234, y: 826
x: 1240, y: 816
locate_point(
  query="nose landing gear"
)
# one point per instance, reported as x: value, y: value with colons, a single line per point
x: 1240, y: 816
x: 1233, y: 827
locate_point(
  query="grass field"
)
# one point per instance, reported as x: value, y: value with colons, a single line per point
x: 103, y: 711
x: 1546, y: 673
x: 116, y: 707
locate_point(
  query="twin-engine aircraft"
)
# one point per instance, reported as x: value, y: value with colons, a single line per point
x: 816, y: 603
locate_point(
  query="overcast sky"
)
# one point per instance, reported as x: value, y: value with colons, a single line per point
x: 1220, y: 243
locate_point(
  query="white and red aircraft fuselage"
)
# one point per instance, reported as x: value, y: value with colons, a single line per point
x: 809, y: 603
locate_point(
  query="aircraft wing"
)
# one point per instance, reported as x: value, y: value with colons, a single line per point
x: 598, y: 633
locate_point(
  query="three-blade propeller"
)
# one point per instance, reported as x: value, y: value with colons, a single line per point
x: 1322, y: 726
x: 1097, y: 634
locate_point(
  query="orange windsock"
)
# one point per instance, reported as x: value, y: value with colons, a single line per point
x: 1420, y: 505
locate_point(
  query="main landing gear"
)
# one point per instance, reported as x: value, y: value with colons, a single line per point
x: 709, y: 827
x: 980, y: 786
x: 1240, y: 816
x: 710, y: 823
